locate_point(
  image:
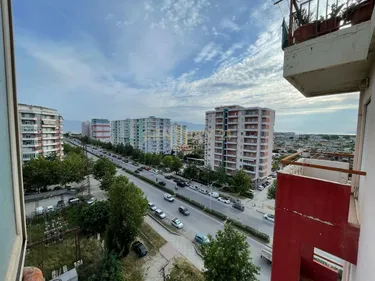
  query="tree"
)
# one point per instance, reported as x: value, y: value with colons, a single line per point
x: 127, y: 208
x: 94, y: 218
x: 180, y: 155
x: 102, y: 166
x: 241, y: 182
x: 110, y: 270
x: 271, y: 192
x: 40, y: 172
x: 176, y: 164
x: 275, y: 165
x: 221, y: 175
x: 106, y: 181
x: 227, y: 257
x: 70, y: 148
x: 191, y: 172
x: 72, y: 168
x: 168, y: 161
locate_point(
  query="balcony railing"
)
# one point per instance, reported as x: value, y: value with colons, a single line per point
x: 313, y: 18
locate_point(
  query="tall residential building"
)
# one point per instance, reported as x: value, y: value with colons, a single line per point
x: 41, y: 131
x: 86, y: 128
x: 150, y: 134
x: 240, y: 138
x: 100, y: 129
x: 178, y: 137
x: 328, y: 203
x: 195, y: 140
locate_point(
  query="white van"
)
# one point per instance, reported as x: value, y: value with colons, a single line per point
x: 266, y: 253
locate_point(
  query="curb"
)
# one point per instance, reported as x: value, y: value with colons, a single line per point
x: 162, y: 224
x: 198, y: 251
x: 259, y: 211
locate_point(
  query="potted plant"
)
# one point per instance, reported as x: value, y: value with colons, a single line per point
x: 306, y: 29
x: 359, y: 12
x: 333, y: 22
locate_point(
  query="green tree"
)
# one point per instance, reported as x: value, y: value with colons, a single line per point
x: 176, y: 164
x: 271, y: 192
x: 275, y: 165
x: 72, y: 168
x: 94, y: 218
x: 110, y: 270
x: 168, y: 161
x: 191, y: 172
x: 70, y: 148
x: 40, y: 173
x: 127, y: 208
x: 106, y: 181
x: 102, y: 166
x: 241, y: 182
x: 227, y: 257
x: 156, y: 159
x: 221, y: 175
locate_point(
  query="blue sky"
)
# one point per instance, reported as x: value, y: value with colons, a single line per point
x: 169, y: 58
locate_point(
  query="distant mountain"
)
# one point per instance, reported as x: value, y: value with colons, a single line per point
x: 192, y: 126
x: 72, y: 126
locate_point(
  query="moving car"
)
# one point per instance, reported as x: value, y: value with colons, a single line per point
x: 139, y: 248
x: 266, y: 253
x: 151, y: 206
x: 201, y: 239
x: 160, y: 213
x: 269, y: 217
x: 238, y: 206
x: 177, y: 223
x: 193, y: 187
x: 214, y: 194
x: 204, y: 191
x: 162, y: 183
x: 183, y: 210
x: 168, y: 197
x: 224, y: 200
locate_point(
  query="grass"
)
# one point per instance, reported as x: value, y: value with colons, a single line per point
x: 132, y: 268
x: 152, y: 236
x: 183, y: 270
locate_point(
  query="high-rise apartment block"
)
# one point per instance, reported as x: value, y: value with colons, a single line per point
x: 86, y: 129
x: 240, y: 138
x: 100, y: 129
x: 41, y: 131
x: 150, y: 134
x: 195, y: 140
x: 178, y: 137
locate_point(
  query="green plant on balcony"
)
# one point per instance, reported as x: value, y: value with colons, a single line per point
x: 359, y: 11
x: 332, y: 23
x: 307, y: 28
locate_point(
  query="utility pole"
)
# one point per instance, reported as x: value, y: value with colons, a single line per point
x: 84, y: 148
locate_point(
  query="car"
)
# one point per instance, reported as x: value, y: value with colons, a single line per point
x: 162, y: 183
x: 224, y: 200
x: 148, y: 168
x: 168, y: 177
x: 136, y: 171
x: 204, y: 191
x: 152, y: 206
x: 168, y: 197
x: 39, y: 210
x: 135, y: 164
x: 177, y: 223
x: 269, y: 217
x: 176, y: 180
x: 214, y: 194
x: 60, y: 204
x: 73, y: 201
x: 183, y: 210
x: 160, y: 213
x: 140, y: 249
x: 201, y: 239
x: 50, y: 209
x: 181, y: 184
x: 193, y: 187
x: 238, y: 206
x: 91, y: 201
x: 57, y: 188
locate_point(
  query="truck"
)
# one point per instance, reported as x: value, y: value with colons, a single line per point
x: 266, y: 253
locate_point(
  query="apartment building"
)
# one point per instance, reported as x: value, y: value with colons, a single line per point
x: 195, y: 139
x: 178, y: 137
x: 41, y: 131
x: 150, y: 134
x: 100, y: 129
x: 86, y: 128
x: 240, y: 138
x: 329, y: 204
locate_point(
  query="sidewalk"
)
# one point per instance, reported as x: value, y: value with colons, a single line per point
x: 177, y: 245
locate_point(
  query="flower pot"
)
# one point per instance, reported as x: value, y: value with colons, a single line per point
x: 305, y: 32
x: 329, y: 25
x: 360, y: 13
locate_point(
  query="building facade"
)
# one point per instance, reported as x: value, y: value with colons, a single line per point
x: 150, y: 134
x: 86, y: 129
x: 195, y: 140
x: 178, y: 137
x: 240, y: 138
x: 100, y: 129
x: 41, y: 131
x: 329, y: 204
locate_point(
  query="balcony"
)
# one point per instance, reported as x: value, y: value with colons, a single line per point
x: 320, y: 56
x: 251, y: 113
x: 314, y: 210
x: 251, y: 128
x: 232, y: 120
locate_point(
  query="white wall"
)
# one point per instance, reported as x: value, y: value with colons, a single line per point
x: 325, y: 174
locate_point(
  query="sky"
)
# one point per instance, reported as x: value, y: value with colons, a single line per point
x: 168, y: 58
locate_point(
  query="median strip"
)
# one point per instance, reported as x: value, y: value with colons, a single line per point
x: 163, y: 225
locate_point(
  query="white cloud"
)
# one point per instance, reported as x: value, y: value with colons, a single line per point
x: 229, y: 24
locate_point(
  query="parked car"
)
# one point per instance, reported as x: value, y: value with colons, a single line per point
x: 214, y: 194
x: 140, y: 249
x: 160, y: 213
x: 239, y: 206
x: 177, y: 223
x: 183, y: 210
x: 224, y: 200
x: 201, y: 239
x: 39, y: 210
x: 91, y: 201
x: 73, y: 201
x: 204, y: 191
x: 57, y: 188
x: 148, y: 168
x: 50, y: 209
x: 269, y: 217
x: 60, y: 204
x: 162, y: 183
x: 136, y: 171
x: 193, y: 187
x: 181, y: 184
x: 176, y: 180
x: 168, y: 177
x: 168, y: 197
x: 152, y: 206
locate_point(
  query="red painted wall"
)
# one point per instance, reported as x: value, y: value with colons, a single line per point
x: 310, y: 213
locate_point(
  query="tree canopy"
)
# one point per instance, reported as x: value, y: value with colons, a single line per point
x: 176, y: 164
x: 94, y: 218
x: 241, y: 182
x: 128, y: 206
x: 227, y: 257
x: 103, y: 166
x: 271, y: 192
x: 168, y: 161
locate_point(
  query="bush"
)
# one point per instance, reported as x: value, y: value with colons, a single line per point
x: 217, y: 214
x: 250, y: 230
